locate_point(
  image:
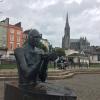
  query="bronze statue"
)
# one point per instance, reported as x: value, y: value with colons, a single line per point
x: 32, y: 62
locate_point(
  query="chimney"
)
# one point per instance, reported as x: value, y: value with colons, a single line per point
x: 7, y: 21
x: 18, y: 24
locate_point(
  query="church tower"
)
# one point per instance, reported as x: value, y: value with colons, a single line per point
x: 66, y: 38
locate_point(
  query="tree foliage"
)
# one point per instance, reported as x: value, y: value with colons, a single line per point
x: 60, y: 52
x: 42, y: 46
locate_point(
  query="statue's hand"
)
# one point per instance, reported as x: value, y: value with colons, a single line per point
x: 52, y: 56
x: 45, y: 57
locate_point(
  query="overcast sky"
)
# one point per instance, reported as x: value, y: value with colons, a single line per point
x: 49, y: 16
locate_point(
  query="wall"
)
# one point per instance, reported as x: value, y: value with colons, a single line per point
x: 15, y: 36
x: 3, y: 36
x: 94, y: 59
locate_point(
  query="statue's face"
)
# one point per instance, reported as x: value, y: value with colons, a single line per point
x: 34, y: 40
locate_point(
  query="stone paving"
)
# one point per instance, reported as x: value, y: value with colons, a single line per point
x: 86, y: 86
x: 1, y: 90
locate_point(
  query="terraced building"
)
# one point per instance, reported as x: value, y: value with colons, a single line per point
x: 10, y: 37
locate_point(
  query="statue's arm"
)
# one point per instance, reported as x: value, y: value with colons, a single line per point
x: 20, y: 59
x: 34, y: 68
x: 23, y: 65
x: 43, y: 71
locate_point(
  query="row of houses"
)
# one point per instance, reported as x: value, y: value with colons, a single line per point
x: 91, y: 55
x: 10, y: 36
x: 13, y: 36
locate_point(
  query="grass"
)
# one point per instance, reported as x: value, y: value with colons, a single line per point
x: 94, y: 65
x: 50, y: 65
x: 8, y: 66
x: 13, y: 66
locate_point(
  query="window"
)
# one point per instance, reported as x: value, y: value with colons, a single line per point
x: 12, y: 30
x: 11, y: 37
x: 18, y: 45
x: 11, y: 46
x: 4, y: 43
x: 18, y: 32
x: 3, y: 36
x: 18, y: 38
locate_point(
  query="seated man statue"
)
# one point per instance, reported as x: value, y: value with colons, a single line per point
x: 32, y: 62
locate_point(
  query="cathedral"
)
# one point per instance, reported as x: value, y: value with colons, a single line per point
x: 75, y: 44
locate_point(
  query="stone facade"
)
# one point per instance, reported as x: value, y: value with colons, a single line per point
x: 79, y: 44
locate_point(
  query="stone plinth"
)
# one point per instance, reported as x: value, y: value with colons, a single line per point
x: 52, y: 92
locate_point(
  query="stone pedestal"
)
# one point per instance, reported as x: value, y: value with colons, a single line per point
x: 52, y: 92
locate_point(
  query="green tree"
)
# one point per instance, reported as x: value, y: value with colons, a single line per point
x: 25, y: 43
x: 42, y: 46
x: 60, y: 52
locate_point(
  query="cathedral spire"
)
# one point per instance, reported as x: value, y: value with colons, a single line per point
x: 66, y: 38
x: 67, y: 20
x: 67, y: 27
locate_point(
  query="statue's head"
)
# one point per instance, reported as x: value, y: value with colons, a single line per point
x: 34, y: 37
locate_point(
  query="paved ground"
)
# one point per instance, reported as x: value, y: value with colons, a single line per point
x: 12, y: 71
x: 1, y: 90
x: 86, y: 86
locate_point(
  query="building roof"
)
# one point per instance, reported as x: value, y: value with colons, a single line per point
x: 92, y: 52
x: 16, y: 27
x: 18, y: 24
x: 77, y: 55
x: 27, y: 31
x: 74, y: 54
x: 74, y: 40
x: 6, y: 23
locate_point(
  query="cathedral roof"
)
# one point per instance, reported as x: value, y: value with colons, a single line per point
x: 74, y: 40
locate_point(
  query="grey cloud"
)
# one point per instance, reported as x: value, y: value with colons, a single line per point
x: 50, y: 19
